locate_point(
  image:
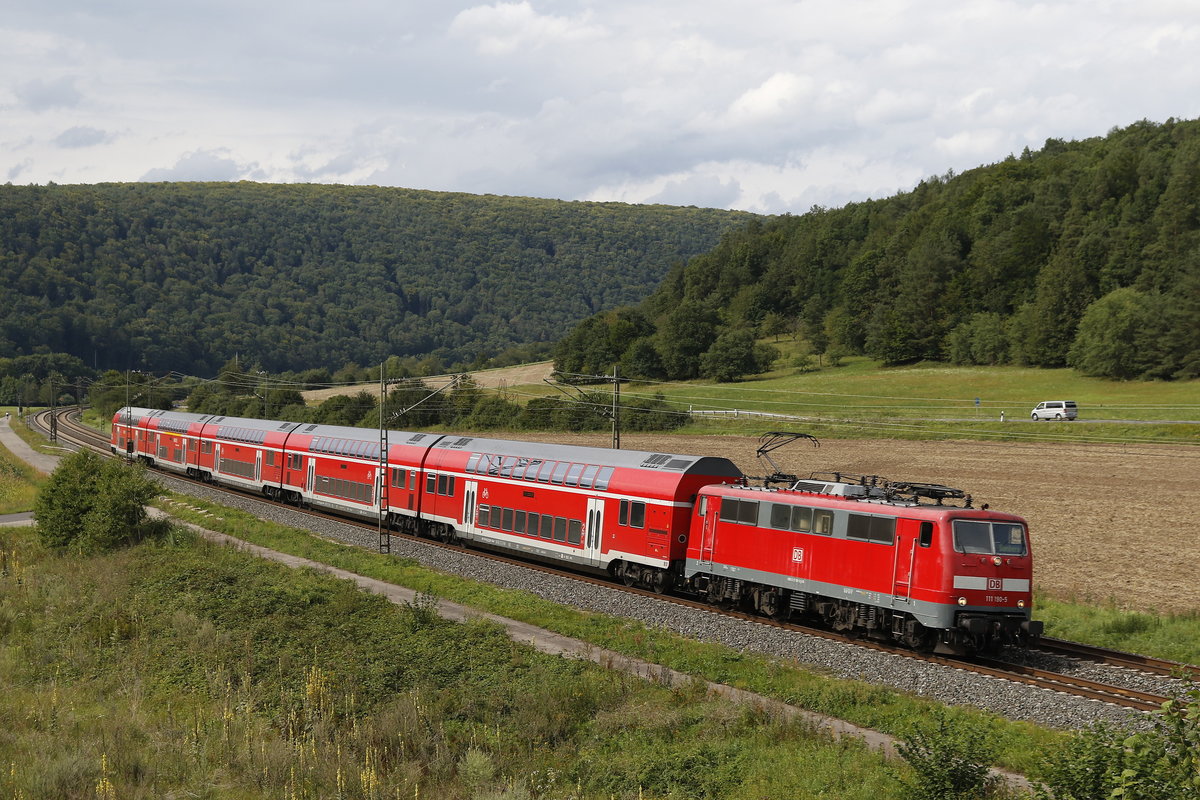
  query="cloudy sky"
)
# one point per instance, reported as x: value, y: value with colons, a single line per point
x: 765, y: 105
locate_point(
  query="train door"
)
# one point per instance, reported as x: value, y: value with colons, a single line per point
x: 257, y: 466
x: 312, y: 471
x: 593, y: 532
x: 709, y: 508
x: 216, y: 468
x: 470, y: 492
x: 904, y: 555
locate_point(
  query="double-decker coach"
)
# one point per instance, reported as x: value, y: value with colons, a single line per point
x: 620, y: 511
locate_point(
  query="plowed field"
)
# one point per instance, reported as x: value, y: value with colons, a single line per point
x: 1116, y: 523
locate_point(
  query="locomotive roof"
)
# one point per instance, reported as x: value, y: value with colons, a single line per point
x: 867, y: 505
x: 630, y: 459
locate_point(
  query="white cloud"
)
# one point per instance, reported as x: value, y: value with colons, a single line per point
x: 504, y: 28
x: 771, y: 105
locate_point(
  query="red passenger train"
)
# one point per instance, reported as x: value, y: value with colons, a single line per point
x: 863, y: 556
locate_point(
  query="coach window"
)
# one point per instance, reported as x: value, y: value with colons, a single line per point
x: 206, y: 447
x: 473, y: 462
x: 507, y: 519
x: 398, y: 475
x: 637, y: 515
x: 430, y: 483
x: 623, y: 513
x: 271, y: 458
x: 560, y: 529
x: 589, y: 475
x: 822, y: 522
x: 545, y: 470
x: 294, y: 461
x: 574, y: 531
x: 604, y: 476
x: 560, y: 472
x: 748, y: 512
x: 573, y: 475
x: 483, y: 515
x: 801, y: 519
x: 441, y: 484
x: 519, y: 522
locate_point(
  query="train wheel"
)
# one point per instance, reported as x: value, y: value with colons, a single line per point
x: 658, y: 581
x: 628, y: 574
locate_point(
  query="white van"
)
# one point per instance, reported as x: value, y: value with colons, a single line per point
x: 1055, y: 409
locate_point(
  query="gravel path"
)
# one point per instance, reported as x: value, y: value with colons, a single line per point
x: 945, y: 684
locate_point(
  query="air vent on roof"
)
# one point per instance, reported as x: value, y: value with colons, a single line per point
x: 285, y: 426
x: 416, y: 438
x: 310, y: 429
x: 838, y: 489
x: 462, y: 442
x: 656, y: 460
x: 678, y: 463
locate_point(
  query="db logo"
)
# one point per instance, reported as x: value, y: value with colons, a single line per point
x: 798, y: 555
x: 485, y: 494
x: 994, y: 583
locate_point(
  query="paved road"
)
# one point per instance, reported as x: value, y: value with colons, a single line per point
x: 39, y: 461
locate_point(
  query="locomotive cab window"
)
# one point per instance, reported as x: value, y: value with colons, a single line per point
x: 926, y: 534
x: 989, y: 538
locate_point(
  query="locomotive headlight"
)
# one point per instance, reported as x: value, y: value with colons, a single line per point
x: 997, y: 561
x: 1020, y: 604
x: 962, y: 601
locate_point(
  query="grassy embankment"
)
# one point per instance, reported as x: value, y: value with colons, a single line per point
x: 18, y: 481
x: 197, y: 670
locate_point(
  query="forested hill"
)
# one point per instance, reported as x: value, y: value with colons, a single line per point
x: 1082, y: 253
x: 184, y: 276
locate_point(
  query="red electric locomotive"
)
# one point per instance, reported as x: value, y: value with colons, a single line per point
x: 867, y: 556
x: 887, y: 560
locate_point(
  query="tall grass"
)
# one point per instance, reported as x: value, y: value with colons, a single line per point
x: 1171, y: 636
x: 196, y: 670
x: 18, y: 483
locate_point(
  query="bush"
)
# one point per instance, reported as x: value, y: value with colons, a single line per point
x: 948, y: 761
x: 94, y: 504
x: 1162, y: 763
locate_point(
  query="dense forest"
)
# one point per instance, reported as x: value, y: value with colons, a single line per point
x: 186, y: 276
x: 1084, y: 254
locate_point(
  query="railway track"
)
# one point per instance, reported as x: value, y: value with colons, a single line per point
x: 72, y: 431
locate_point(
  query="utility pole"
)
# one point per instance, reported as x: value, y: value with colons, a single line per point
x: 616, y: 410
x: 53, y: 410
x: 385, y: 536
